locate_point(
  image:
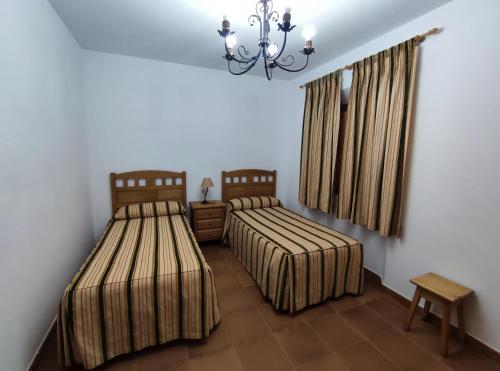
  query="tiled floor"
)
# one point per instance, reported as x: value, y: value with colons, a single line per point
x: 352, y: 333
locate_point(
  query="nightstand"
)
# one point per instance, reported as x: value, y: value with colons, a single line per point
x: 207, y: 220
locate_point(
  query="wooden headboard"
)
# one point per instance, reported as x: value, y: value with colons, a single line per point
x: 147, y: 186
x: 248, y: 183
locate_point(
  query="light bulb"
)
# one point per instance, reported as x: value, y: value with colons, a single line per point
x: 308, y: 32
x: 231, y: 41
x: 272, y: 49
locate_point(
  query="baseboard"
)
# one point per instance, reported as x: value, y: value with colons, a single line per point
x: 36, y: 358
x: 433, y: 318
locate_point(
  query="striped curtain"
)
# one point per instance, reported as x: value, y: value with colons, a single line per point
x: 320, y: 136
x: 375, y: 147
x: 373, y: 144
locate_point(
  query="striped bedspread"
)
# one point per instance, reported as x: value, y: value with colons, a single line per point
x: 295, y: 261
x: 145, y: 283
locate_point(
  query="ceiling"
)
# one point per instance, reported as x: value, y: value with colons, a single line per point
x: 184, y: 31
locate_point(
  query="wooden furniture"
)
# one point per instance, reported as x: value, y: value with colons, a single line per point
x: 207, y: 220
x: 147, y: 186
x: 437, y: 289
x: 248, y: 183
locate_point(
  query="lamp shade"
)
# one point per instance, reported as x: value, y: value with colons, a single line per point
x: 207, y: 183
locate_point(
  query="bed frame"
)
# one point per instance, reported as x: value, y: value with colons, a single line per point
x: 147, y: 186
x: 248, y: 183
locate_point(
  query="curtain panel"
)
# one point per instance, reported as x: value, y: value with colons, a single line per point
x: 372, y: 147
x: 320, y: 140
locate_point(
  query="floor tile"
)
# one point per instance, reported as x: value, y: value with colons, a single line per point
x: 319, y: 310
x: 435, y: 366
x: 219, y: 339
x: 234, y: 299
x: 212, y: 253
x: 226, y: 252
x: 391, y: 311
x: 183, y: 367
x: 335, y: 331
x: 301, y: 344
x: 262, y: 354
x: 235, y: 265
x: 163, y: 357
x: 225, y: 281
x: 370, y: 292
x: 330, y: 362
x: 224, y: 360
x: 278, y: 320
x: 256, y: 296
x: 219, y: 267
x: 428, y: 336
x: 125, y: 362
x: 365, y: 321
x: 244, y: 279
x: 467, y: 359
x: 245, y: 325
x: 401, y: 351
x: 364, y: 357
x: 343, y: 303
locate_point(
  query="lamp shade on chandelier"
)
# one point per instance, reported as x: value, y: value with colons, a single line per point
x: 239, y: 60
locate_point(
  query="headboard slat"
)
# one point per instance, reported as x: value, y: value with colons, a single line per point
x: 147, y: 186
x: 248, y: 183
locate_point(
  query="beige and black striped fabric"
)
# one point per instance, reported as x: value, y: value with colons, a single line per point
x: 258, y: 202
x: 358, y: 170
x: 295, y: 261
x: 375, y: 147
x: 320, y: 140
x: 145, y: 283
x: 149, y: 209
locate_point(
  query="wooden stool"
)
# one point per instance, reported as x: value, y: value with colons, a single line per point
x: 436, y: 289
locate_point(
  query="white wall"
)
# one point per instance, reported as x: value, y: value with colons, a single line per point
x: 144, y: 114
x: 452, y: 209
x: 45, y: 222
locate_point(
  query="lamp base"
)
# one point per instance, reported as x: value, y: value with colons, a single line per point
x: 204, y: 202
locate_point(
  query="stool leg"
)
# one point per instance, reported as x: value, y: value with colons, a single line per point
x: 445, y: 328
x: 461, y: 323
x: 413, y: 308
x: 425, y: 312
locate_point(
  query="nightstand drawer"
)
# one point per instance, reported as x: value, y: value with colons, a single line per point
x: 209, y: 234
x: 209, y: 223
x: 210, y: 213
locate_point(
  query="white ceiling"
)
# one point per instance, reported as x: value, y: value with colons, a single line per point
x: 184, y: 31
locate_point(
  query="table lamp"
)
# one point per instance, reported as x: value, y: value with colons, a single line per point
x: 206, y: 183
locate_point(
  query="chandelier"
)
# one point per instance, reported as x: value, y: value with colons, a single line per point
x: 270, y: 52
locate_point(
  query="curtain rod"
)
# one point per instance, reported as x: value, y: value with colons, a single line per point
x: 419, y: 38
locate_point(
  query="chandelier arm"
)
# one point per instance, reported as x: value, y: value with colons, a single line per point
x: 251, y: 20
x: 289, y: 69
x: 270, y: 6
x: 245, y: 70
x: 236, y: 59
x: 274, y: 16
x: 238, y: 73
x: 283, y: 61
x: 261, y: 10
x: 245, y: 51
x: 282, y: 49
x: 269, y: 74
x: 242, y: 66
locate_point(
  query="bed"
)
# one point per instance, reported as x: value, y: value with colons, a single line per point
x: 294, y: 261
x: 145, y: 283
